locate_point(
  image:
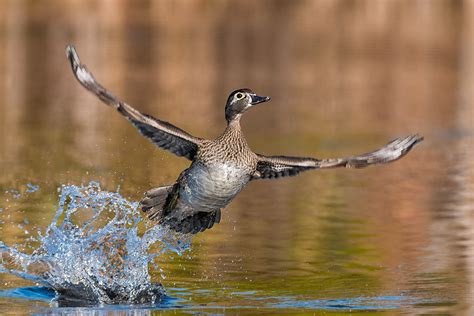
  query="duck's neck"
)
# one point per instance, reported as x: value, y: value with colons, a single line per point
x: 233, y: 125
x: 233, y: 131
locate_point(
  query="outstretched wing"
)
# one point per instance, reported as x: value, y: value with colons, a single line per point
x: 163, y: 134
x: 269, y: 167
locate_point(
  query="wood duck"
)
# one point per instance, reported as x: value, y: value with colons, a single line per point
x: 221, y: 167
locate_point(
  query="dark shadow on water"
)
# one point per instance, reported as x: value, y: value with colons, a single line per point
x: 77, y: 296
x: 69, y: 299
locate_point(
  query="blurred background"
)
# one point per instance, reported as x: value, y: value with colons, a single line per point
x: 344, y: 77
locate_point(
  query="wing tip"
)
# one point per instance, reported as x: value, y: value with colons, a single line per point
x: 412, y: 140
x: 79, y: 70
x: 73, y: 57
x: 406, y: 144
x: 392, y: 151
x: 418, y: 138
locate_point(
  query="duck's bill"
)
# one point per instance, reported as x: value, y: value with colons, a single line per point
x: 256, y: 99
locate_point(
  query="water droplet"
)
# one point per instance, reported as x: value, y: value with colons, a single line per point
x: 106, y: 263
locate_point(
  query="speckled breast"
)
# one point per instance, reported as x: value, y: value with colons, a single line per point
x: 211, y: 187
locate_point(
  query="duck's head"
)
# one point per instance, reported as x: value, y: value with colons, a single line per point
x: 240, y: 101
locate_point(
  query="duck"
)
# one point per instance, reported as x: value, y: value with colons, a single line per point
x: 220, y: 168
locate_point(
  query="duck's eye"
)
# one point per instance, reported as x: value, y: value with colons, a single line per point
x: 239, y: 96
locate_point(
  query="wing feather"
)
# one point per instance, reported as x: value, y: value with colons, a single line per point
x: 163, y: 134
x: 269, y: 167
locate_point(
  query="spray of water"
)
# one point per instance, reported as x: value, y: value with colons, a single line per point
x: 97, y: 248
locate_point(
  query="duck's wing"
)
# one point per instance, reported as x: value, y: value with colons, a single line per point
x: 163, y: 134
x: 269, y: 167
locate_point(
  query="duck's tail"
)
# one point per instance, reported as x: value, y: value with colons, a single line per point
x: 154, y: 201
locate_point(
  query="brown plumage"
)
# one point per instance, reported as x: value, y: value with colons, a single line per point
x: 221, y: 167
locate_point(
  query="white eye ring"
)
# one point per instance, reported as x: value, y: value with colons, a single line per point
x: 239, y: 96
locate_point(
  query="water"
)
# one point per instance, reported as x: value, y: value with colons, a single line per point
x: 98, y: 251
x: 92, y: 251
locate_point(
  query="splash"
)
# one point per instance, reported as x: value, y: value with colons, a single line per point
x: 97, y: 248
